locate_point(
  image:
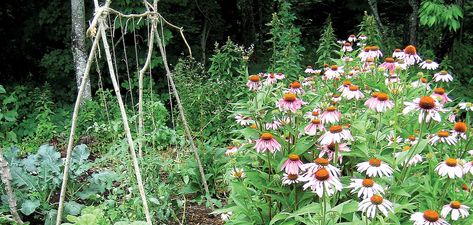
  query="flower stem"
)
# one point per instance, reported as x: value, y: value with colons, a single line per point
x: 335, y: 157
x: 269, y: 180
x: 412, y: 152
x: 324, y: 209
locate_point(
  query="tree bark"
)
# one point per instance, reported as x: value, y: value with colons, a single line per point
x: 413, y: 22
x: 374, y: 8
x: 78, y: 45
x: 6, y: 178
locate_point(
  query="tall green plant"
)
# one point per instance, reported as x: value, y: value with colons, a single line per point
x: 437, y: 13
x: 285, y: 39
x: 369, y: 28
x: 327, y: 46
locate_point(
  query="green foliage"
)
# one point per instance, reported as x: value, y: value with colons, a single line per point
x: 327, y: 45
x: 438, y: 13
x: 369, y: 28
x: 285, y: 40
x: 8, y: 116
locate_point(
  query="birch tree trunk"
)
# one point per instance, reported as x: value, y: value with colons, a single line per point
x: 78, y: 45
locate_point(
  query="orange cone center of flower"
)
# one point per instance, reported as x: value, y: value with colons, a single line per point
x: 431, y: 215
x: 423, y: 80
x: 331, y: 146
x: 427, y: 102
x: 230, y: 147
x: 400, y: 61
x: 336, y: 129
x: 254, y: 78
x: 347, y: 44
x: 443, y: 133
x: 334, y: 67
x: 367, y: 182
x: 460, y: 127
x: 321, y: 161
x: 443, y: 72
x: 455, y: 204
x: 465, y: 187
x: 353, y: 88
x: 266, y: 136
x: 451, y: 162
x: 237, y: 174
x: 346, y: 83
x: 295, y: 84
x: 406, y: 148
x: 389, y: 60
x: 289, y: 97
x: 397, y: 50
x: 331, y: 108
x: 383, y: 97
x: 410, y: 50
x: 374, y: 48
x: 428, y: 61
x: 309, y: 67
x: 367, y: 48
x: 322, y: 174
x: 315, y: 113
x: 272, y: 75
x: 253, y: 126
x: 412, y: 138
x: 292, y: 176
x: 374, y: 162
x: 294, y: 157
x: 439, y: 91
x: 376, y: 199
x: 316, y: 121
x: 369, y: 59
x: 375, y: 94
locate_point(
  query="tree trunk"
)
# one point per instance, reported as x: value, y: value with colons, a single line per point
x: 78, y: 44
x: 6, y: 178
x: 413, y: 21
x: 374, y: 7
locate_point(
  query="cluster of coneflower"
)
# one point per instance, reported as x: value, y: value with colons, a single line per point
x: 339, y: 89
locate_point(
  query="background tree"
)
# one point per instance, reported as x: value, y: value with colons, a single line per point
x: 79, y: 51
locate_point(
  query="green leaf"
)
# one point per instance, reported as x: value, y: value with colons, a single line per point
x: 2, y: 90
x: 29, y: 206
x: 73, y: 208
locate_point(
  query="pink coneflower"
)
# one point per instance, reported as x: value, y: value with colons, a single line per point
x: 231, y: 150
x: 296, y: 87
x: 289, y: 102
x: 275, y: 125
x: 415, y: 159
x: 244, y: 120
x: 428, y: 217
x: 398, y: 53
x: 440, y: 95
x: 375, y: 204
x: 375, y: 52
x: 452, y: 117
x: 330, y: 115
x: 319, y: 163
x: 443, y: 75
x: 314, y: 114
x: 459, y: 130
x: 292, y: 164
x: 451, y: 168
x: 254, y: 83
x: 333, y: 72
x: 289, y: 179
x: 443, y: 136
x: 391, y: 79
x: 335, y: 135
x: 381, y: 103
x: 429, y: 65
x: 362, y: 37
x: 352, y: 38
x: 353, y: 92
x: 401, y: 64
x: 267, y: 143
x: 336, y: 98
x: 347, y: 47
x: 272, y: 78
x: 368, y: 64
x: 309, y: 69
x: 388, y: 64
x: 412, y: 140
x: 321, y: 181
x: 393, y: 138
x: 238, y: 173
x: 410, y: 55
x: 345, y: 85
x: 375, y: 167
x: 329, y: 150
x: 374, y: 98
x: 314, y: 126
x: 427, y: 106
x: 364, y: 54
x: 422, y: 82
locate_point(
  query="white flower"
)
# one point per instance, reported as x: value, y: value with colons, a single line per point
x: 427, y: 106
x: 442, y: 76
x: 373, y: 204
x: 244, y: 120
x: 456, y: 209
x: 319, y: 163
x: 375, y: 167
x: 353, y: 92
x: 238, y: 173
x: 468, y: 106
x: 289, y: 179
x: 366, y: 187
x: 429, y: 65
x: 428, y: 217
x: 444, y: 137
x: 335, y: 135
x: 226, y: 216
x: 450, y: 167
x: 321, y: 181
